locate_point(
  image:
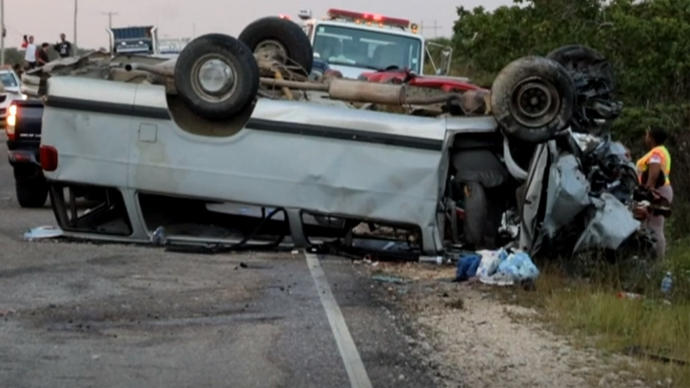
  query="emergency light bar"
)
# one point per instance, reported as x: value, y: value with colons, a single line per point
x: 359, y: 17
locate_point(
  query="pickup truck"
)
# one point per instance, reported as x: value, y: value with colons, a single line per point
x: 230, y: 140
x: 23, y: 129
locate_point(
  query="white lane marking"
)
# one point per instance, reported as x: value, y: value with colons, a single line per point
x: 346, y: 346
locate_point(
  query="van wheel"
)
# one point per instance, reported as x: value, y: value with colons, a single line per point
x: 31, y: 192
x: 476, y: 211
x: 532, y: 99
x: 216, y: 76
x: 281, y: 40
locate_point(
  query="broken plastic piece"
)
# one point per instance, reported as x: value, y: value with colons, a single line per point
x: 388, y: 279
x: 159, y: 237
x: 431, y: 259
x: 42, y: 232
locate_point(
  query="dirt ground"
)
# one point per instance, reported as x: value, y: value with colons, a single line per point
x: 474, y: 337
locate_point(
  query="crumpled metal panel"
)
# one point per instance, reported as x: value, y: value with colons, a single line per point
x: 612, y: 224
x: 567, y: 194
x: 533, y: 197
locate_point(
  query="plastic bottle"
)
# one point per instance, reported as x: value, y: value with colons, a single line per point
x: 666, y: 284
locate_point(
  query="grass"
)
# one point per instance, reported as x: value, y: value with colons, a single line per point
x: 650, y: 327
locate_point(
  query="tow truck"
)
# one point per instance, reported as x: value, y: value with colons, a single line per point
x: 355, y: 43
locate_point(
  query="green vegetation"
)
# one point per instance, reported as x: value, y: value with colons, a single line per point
x: 651, y: 328
x: 654, y: 328
x: 648, y: 43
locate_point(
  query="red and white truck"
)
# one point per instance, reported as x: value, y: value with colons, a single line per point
x: 358, y: 42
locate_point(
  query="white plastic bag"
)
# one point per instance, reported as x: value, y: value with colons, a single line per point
x: 519, y: 267
x: 489, y: 263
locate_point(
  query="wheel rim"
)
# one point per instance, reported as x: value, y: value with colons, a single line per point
x: 272, y: 49
x: 214, y: 78
x: 535, y: 102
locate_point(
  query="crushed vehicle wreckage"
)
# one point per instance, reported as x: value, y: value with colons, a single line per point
x: 233, y: 145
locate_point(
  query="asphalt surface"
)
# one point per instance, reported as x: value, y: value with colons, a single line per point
x: 79, y: 314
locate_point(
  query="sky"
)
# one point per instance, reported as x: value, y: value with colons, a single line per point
x: 46, y: 19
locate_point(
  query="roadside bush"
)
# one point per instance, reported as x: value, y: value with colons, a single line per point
x: 646, y: 41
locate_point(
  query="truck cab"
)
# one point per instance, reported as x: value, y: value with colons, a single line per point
x: 134, y: 40
x: 354, y: 43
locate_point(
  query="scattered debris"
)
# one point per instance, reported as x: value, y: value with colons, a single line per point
x: 42, y: 232
x: 503, y: 268
x: 489, y: 263
x: 628, y: 295
x: 159, y: 237
x: 388, y: 279
x: 667, y: 284
x: 431, y: 259
x: 467, y: 267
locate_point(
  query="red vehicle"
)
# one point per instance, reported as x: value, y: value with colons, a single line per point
x: 447, y: 84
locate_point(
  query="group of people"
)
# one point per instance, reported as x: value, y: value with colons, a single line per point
x: 38, y: 55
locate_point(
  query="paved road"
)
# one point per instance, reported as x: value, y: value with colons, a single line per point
x: 81, y: 315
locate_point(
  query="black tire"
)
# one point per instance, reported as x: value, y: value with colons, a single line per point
x: 476, y: 212
x: 31, y: 192
x: 282, y: 34
x: 595, y: 84
x: 533, y: 99
x: 234, y: 94
x: 578, y: 59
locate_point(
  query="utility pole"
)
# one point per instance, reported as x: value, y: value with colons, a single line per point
x: 436, y: 27
x: 2, y: 32
x: 110, y: 15
x: 74, y: 42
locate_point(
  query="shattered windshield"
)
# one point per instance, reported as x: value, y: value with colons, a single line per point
x: 367, y: 49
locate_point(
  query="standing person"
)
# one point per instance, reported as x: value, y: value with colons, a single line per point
x: 42, y: 56
x: 30, y: 54
x: 654, y: 170
x: 63, y: 47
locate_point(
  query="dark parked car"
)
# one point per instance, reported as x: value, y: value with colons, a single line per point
x: 23, y: 128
